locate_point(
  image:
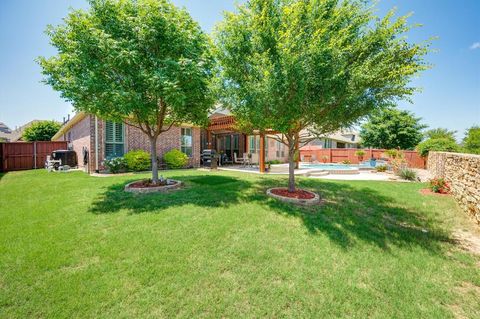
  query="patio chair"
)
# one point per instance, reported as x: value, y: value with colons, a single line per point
x: 248, y: 160
x: 238, y: 160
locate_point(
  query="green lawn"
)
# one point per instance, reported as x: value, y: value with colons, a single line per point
x: 74, y: 246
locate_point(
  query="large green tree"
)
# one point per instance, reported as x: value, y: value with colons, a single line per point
x: 471, y: 142
x: 440, y: 133
x: 441, y: 144
x: 143, y: 62
x: 392, y: 128
x: 41, y: 131
x: 294, y: 65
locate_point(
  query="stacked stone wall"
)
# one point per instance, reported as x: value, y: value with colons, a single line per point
x: 462, y: 172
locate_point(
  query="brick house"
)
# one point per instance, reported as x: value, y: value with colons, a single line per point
x: 95, y: 140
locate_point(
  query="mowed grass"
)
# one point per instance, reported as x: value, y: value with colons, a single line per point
x: 75, y: 246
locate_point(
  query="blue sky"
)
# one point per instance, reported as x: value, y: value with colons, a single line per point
x: 451, y: 90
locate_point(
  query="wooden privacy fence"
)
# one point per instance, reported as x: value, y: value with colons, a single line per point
x: 338, y: 155
x: 26, y: 155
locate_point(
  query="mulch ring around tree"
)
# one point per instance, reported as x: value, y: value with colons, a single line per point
x: 146, y: 186
x: 429, y: 192
x: 299, y: 197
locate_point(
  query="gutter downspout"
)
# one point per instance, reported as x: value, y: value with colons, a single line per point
x: 96, y: 144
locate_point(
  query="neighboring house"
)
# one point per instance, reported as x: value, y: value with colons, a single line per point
x: 5, y: 132
x: 95, y: 140
x: 340, y: 139
x: 4, y: 128
x: 8, y: 135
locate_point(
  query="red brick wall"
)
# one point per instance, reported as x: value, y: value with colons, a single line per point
x: 136, y: 139
x: 79, y: 137
x: 83, y: 135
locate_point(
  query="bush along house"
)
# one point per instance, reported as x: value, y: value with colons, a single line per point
x: 95, y: 139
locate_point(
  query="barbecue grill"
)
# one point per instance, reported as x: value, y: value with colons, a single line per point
x: 62, y: 158
x: 209, y: 158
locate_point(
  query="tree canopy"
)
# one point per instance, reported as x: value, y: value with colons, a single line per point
x: 143, y: 62
x: 392, y: 128
x: 437, y: 144
x: 292, y: 65
x: 440, y: 133
x: 41, y: 131
x: 471, y: 142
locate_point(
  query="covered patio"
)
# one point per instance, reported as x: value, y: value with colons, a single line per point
x: 223, y: 136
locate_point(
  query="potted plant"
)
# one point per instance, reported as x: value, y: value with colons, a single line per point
x: 360, y: 154
x: 373, y: 162
x: 324, y: 158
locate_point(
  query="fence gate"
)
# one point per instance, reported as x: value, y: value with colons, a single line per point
x: 26, y: 155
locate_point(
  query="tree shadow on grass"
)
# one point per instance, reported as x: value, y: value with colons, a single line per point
x: 348, y: 215
x: 202, y: 190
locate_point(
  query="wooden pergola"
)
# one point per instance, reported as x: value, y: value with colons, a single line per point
x: 228, y: 123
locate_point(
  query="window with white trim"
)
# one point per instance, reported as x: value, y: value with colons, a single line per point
x: 280, y: 149
x: 114, y: 139
x: 186, y: 142
x: 254, y: 144
x: 327, y: 143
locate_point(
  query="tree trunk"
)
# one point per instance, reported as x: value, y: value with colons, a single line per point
x: 153, y: 155
x: 297, y: 151
x: 291, y: 167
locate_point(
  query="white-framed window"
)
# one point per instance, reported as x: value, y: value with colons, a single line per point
x: 186, y: 142
x: 235, y: 142
x: 265, y: 144
x: 114, y: 139
x: 327, y: 143
x: 254, y: 144
x: 280, y: 149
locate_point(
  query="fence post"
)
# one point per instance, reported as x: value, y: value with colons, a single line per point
x: 330, y: 160
x: 34, y: 155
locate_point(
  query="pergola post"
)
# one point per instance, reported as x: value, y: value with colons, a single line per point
x: 209, y: 140
x: 261, y: 157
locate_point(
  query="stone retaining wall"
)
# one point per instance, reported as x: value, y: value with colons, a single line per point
x: 462, y: 172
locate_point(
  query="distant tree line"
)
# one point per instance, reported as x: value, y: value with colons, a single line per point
x: 396, y: 129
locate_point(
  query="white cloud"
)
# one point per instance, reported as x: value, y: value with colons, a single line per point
x: 475, y: 45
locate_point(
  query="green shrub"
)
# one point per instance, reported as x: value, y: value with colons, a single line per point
x: 407, y: 174
x: 175, y: 159
x: 393, y: 153
x: 360, y: 153
x: 138, y: 160
x: 381, y: 168
x: 437, y: 144
x: 273, y: 162
x: 115, y: 165
x: 41, y: 131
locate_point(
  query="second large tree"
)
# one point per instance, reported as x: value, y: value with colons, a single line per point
x: 293, y: 65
